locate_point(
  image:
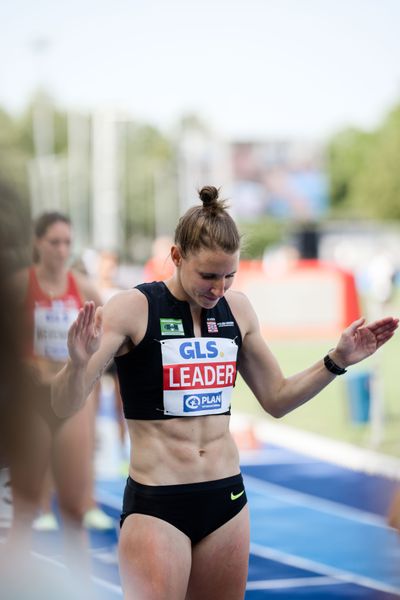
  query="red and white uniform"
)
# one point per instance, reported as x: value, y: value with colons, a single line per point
x: 48, y: 319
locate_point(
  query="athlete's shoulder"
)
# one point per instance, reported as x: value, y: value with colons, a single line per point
x: 237, y: 300
x: 126, y: 302
x: 243, y: 311
x: 126, y: 312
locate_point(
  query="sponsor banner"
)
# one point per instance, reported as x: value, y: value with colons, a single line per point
x: 198, y: 375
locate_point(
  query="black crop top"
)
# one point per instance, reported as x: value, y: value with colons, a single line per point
x: 171, y: 373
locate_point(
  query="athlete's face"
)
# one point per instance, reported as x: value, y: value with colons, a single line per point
x: 206, y: 275
x: 54, y: 247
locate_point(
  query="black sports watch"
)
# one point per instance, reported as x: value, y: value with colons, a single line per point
x: 333, y: 367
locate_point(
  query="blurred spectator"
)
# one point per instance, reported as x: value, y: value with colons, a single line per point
x: 49, y: 296
x: 23, y: 576
x: 159, y: 266
x: 381, y: 273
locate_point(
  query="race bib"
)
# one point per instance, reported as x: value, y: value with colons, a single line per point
x: 198, y: 375
x: 51, y: 324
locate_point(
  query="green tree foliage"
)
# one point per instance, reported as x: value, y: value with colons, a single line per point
x: 14, y: 230
x: 17, y: 144
x: 14, y: 195
x: 259, y: 235
x: 376, y: 190
x: 148, y: 159
x: 13, y: 155
x: 364, y: 172
x: 347, y: 156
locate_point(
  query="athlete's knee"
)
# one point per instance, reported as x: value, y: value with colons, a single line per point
x: 71, y: 511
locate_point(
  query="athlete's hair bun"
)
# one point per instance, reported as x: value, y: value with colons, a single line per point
x: 209, y: 196
x: 208, y: 225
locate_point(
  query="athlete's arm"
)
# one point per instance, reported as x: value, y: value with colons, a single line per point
x: 279, y: 395
x: 94, y: 338
x: 87, y: 289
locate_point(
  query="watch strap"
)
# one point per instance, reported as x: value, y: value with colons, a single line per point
x: 333, y: 367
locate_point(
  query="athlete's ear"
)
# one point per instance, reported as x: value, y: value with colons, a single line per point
x: 176, y: 255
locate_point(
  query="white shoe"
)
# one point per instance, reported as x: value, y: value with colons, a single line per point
x: 45, y: 522
x: 95, y: 518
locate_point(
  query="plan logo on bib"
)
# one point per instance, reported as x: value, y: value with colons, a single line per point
x: 195, y: 402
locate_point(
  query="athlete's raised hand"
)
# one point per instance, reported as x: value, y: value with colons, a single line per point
x: 359, y: 340
x: 85, y: 333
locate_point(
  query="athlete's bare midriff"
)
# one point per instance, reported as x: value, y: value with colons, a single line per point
x: 182, y: 450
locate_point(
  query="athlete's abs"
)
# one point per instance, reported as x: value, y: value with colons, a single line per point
x: 179, y: 451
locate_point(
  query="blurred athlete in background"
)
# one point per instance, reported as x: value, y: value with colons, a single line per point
x: 50, y: 295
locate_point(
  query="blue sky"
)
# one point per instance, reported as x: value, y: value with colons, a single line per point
x: 251, y: 68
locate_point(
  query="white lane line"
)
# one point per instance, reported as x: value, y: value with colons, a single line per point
x: 295, y: 582
x: 273, y: 456
x: 327, y: 449
x: 116, y: 589
x: 328, y: 506
x: 316, y: 567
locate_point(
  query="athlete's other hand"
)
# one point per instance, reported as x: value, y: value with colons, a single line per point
x: 359, y: 340
x: 85, y: 333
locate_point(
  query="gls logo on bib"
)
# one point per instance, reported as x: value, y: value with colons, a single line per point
x: 198, y: 350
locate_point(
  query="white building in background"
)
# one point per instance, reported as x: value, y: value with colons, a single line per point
x: 107, y: 204
x: 78, y: 176
x: 46, y: 170
x: 46, y: 176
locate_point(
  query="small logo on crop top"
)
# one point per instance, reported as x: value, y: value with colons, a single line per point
x: 225, y: 324
x: 212, y: 326
x: 196, y: 402
x: 171, y: 327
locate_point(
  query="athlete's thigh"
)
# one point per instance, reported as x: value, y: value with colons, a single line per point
x: 29, y: 460
x: 73, y: 458
x: 220, y: 562
x: 154, y: 559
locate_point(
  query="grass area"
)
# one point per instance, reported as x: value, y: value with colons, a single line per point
x: 328, y: 413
